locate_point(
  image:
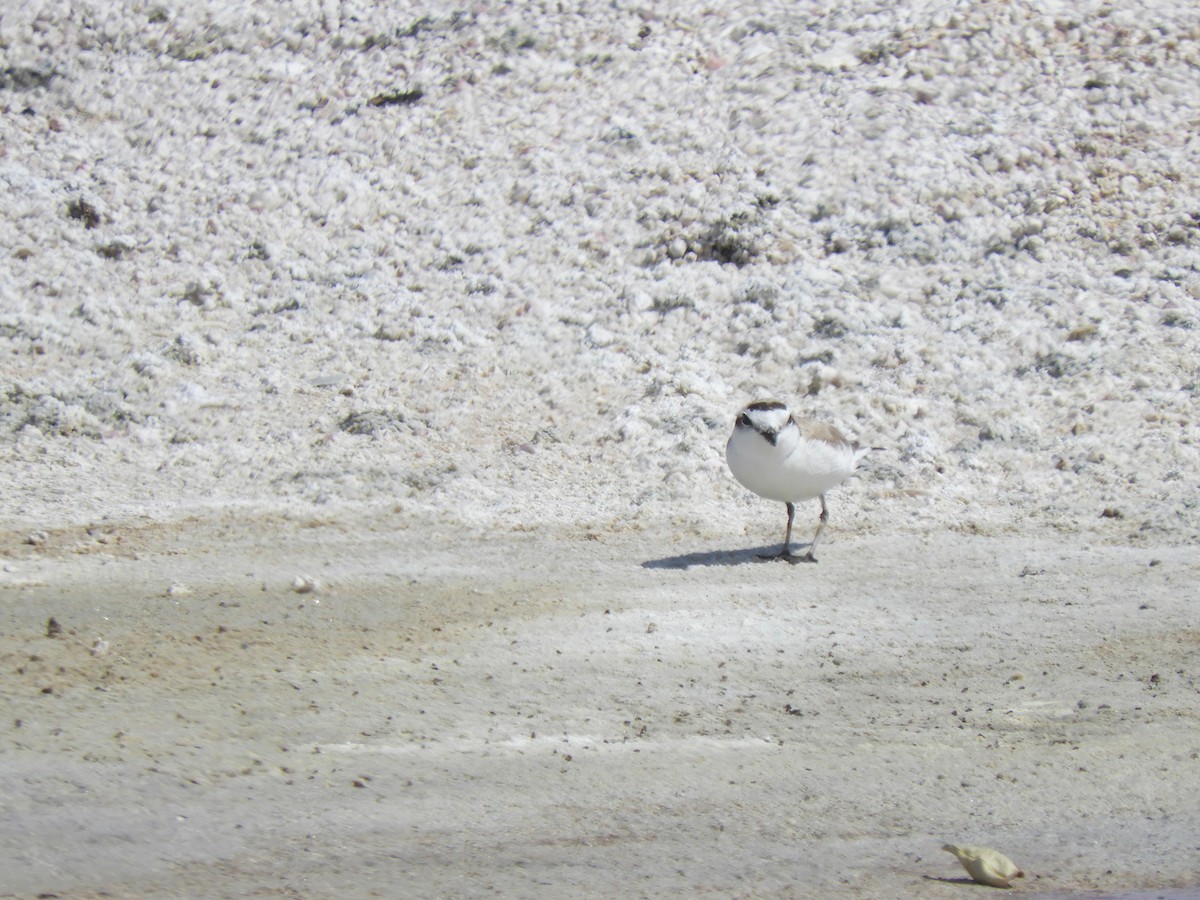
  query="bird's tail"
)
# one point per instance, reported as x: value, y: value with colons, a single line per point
x: 860, y: 452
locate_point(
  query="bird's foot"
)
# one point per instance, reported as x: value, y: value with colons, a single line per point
x: 788, y: 556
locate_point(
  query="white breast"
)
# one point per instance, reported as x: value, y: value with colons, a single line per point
x: 795, y: 468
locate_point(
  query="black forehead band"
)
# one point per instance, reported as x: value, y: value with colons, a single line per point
x: 766, y: 404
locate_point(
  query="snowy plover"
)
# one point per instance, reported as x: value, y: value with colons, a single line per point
x: 781, y: 459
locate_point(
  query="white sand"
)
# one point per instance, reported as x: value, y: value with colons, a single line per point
x: 465, y: 358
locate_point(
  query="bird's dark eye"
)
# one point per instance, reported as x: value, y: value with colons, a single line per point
x: 743, y: 421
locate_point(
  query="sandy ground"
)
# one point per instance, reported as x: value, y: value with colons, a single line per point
x: 365, y: 371
x: 449, y: 713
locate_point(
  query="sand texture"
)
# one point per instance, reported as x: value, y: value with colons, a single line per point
x: 365, y: 375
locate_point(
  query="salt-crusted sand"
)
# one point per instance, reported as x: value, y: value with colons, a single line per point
x: 366, y: 375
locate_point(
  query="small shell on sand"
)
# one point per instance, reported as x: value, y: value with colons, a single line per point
x: 302, y: 584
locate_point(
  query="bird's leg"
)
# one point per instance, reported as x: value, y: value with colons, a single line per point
x: 812, y: 548
x: 786, y: 552
x: 787, y: 545
x: 787, y: 537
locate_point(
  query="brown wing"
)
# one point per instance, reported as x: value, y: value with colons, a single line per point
x: 819, y: 431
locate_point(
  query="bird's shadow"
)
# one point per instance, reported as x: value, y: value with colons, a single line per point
x: 718, y: 557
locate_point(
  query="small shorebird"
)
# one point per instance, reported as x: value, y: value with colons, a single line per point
x: 781, y: 459
x: 985, y: 865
